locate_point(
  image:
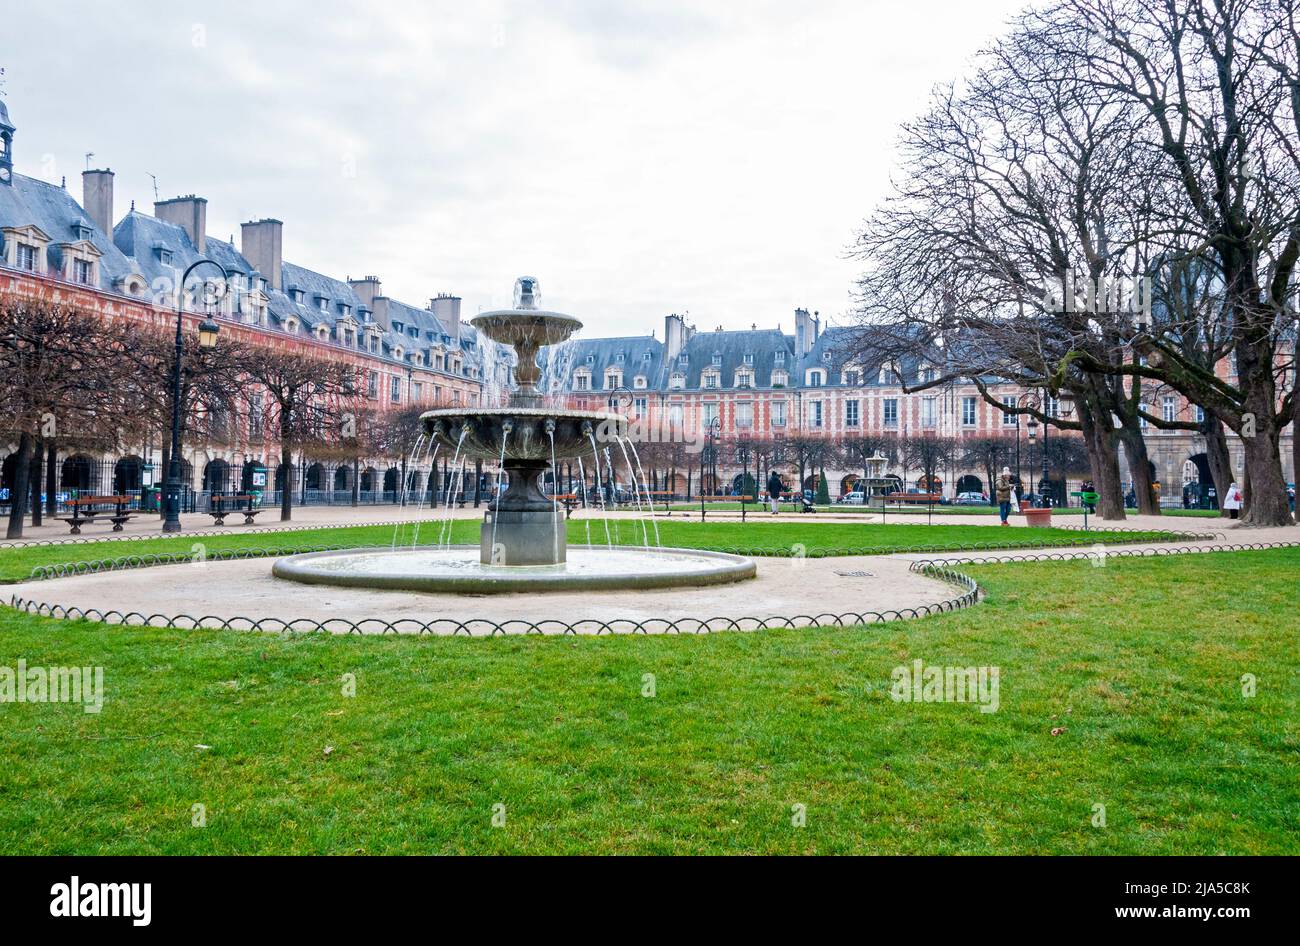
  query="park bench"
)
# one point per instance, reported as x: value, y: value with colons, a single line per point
x: 223, y: 506
x: 85, y: 509
x: 569, y: 501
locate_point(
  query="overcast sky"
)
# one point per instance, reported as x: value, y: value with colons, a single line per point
x: 638, y: 158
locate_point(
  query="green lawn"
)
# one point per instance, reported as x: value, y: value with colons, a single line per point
x: 781, y: 536
x: 1138, y: 662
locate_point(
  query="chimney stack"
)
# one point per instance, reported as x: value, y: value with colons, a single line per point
x: 190, y: 213
x: 368, y: 290
x: 97, y: 198
x: 805, y: 335
x: 447, y: 309
x: 261, y: 242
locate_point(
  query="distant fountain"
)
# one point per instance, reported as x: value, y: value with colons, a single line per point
x: 522, y: 540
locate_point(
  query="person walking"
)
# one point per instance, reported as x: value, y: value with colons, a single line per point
x: 1232, y: 502
x: 774, y: 490
x: 1003, y: 488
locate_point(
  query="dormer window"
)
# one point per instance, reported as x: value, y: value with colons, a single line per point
x: 591, y: 359
x: 299, y: 296
x: 683, y: 360
x: 646, y: 357
x: 164, y: 256
x: 322, y: 303
x: 826, y: 357
x: 816, y: 378
x: 717, y: 359
x: 749, y: 357
x: 677, y: 381
x: 26, y: 257
x: 779, y: 357
x: 82, y: 230
x: 83, y: 271
x: 639, y: 382
x: 399, y: 328
x: 621, y: 357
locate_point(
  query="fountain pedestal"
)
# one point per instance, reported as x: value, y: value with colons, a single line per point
x: 525, y: 527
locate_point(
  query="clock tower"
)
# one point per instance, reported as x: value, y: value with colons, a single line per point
x: 6, y: 147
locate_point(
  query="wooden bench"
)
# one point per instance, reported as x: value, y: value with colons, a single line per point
x: 84, y: 512
x: 570, y: 501
x: 223, y: 506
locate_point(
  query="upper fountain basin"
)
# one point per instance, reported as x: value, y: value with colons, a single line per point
x: 530, y: 328
x: 530, y: 430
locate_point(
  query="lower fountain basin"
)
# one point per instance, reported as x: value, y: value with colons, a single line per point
x: 458, y: 570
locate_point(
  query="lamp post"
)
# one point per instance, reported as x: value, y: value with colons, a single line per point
x: 1032, y: 426
x: 742, y: 455
x: 1042, y: 480
x: 711, y: 430
x: 208, y: 330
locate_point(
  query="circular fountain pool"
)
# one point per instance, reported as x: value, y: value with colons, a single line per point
x: 458, y: 570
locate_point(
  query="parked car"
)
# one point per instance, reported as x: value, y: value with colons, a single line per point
x: 854, y: 498
x: 971, y: 499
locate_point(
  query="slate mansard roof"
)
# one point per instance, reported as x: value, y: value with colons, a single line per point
x: 31, y: 202
x: 159, y: 252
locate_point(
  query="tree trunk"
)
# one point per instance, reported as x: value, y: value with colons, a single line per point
x: 1103, y: 463
x: 18, y: 494
x: 1266, y: 500
x: 286, y: 493
x: 1139, y: 466
x: 38, y: 457
x: 51, y: 482
x: 1219, y: 460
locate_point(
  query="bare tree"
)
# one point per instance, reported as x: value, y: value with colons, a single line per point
x: 310, y: 400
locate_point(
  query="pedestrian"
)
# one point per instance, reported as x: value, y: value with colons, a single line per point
x: 774, y: 490
x: 1232, y: 502
x: 1004, y: 487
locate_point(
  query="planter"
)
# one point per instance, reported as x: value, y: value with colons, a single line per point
x: 1038, y: 518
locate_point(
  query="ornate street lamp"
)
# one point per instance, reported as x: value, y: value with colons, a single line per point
x: 208, y: 331
x: 1032, y: 426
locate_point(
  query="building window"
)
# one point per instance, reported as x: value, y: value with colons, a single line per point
x: 744, y: 378
x: 613, y: 379
x: 891, y: 412
x: 1200, y: 414
x: 640, y: 406
x: 851, y: 416
x: 372, y: 384
x: 677, y: 381
x: 26, y: 257
x: 814, y: 413
x: 749, y: 357
x: 710, y: 413
x: 417, y: 389
x: 639, y: 382
x: 717, y: 359
x: 1171, y: 410
x: 83, y: 271
x: 744, y: 414
x: 1142, y: 409
x: 968, y: 412
x: 255, y: 416
x: 929, y: 412
x: 1008, y: 419
x: 816, y: 378
x: 780, y: 379
x: 778, y: 413
x: 395, y: 388
x: 582, y: 382
x: 711, y: 379
x: 851, y: 378
x: 779, y: 357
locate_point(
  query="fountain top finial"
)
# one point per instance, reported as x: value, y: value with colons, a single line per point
x: 528, y: 292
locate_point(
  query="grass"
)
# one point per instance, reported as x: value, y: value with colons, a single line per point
x: 916, y: 510
x: 1139, y: 663
x: 17, y: 564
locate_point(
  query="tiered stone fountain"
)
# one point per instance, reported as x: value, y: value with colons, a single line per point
x: 522, y: 543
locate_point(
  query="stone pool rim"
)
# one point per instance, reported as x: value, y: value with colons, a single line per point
x: 729, y: 568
